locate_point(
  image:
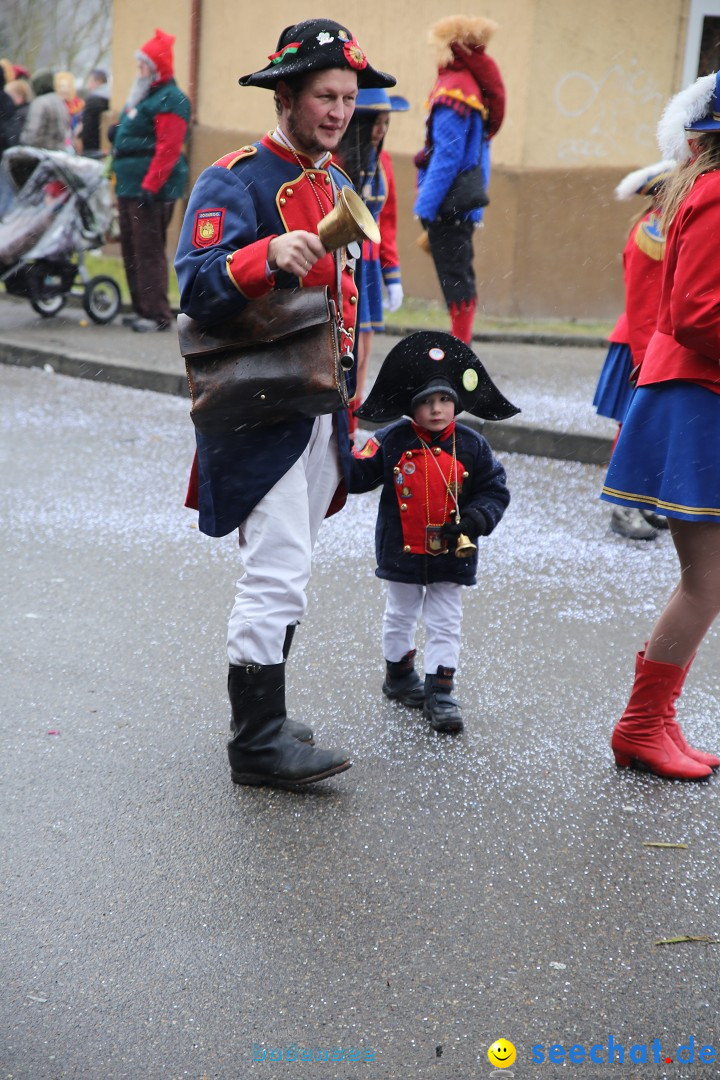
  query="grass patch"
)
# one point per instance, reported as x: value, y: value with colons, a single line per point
x: 433, y: 315
x: 415, y: 314
x: 112, y: 266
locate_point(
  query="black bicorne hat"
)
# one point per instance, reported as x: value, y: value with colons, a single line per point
x: 423, y: 358
x: 314, y: 45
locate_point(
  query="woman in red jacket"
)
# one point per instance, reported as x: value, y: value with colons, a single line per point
x: 668, y: 455
x: 642, y: 274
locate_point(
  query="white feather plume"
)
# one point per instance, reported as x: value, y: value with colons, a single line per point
x: 638, y: 178
x: 685, y: 108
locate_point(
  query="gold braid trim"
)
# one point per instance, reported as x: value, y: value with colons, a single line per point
x: 650, y: 244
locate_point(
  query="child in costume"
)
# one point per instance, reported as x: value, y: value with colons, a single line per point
x: 363, y: 156
x: 442, y: 487
x: 642, y: 273
x: 668, y: 453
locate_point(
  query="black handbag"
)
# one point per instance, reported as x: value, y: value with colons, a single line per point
x: 277, y: 360
x: 466, y: 193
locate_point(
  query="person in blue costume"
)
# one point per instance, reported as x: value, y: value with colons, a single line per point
x: 251, y: 227
x: 364, y: 158
x: 465, y: 110
x: 442, y: 488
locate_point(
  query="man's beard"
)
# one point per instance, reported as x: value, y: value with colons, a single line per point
x: 139, y: 90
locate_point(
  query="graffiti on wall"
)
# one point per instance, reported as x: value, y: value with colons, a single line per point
x: 622, y: 104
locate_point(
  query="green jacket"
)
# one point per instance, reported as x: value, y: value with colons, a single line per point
x: 134, y: 143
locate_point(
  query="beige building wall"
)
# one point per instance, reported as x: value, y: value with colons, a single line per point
x: 586, y: 84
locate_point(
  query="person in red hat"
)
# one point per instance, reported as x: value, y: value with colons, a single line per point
x: 465, y: 110
x: 151, y: 174
x: 667, y: 456
x: 251, y: 227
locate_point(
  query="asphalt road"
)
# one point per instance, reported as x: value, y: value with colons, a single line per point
x: 158, y: 922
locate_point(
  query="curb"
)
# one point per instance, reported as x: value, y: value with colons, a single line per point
x: 516, y: 337
x: 512, y: 438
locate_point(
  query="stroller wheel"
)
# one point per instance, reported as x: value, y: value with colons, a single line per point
x: 101, y: 299
x: 49, y: 305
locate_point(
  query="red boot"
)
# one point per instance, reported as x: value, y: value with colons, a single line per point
x: 461, y: 319
x: 674, y: 731
x: 640, y: 740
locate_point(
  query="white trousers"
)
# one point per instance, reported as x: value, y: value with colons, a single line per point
x: 276, y: 544
x: 440, y: 607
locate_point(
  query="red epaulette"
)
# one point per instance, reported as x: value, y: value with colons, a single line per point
x: 231, y: 159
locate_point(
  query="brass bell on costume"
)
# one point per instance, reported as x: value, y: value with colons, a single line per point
x: 348, y: 221
x: 464, y: 546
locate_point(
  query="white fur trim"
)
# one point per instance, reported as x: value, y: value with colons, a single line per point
x: 629, y: 184
x: 685, y: 108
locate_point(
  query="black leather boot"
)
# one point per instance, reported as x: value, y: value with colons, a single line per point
x: 402, y: 682
x: 261, y: 751
x: 296, y: 728
x: 440, y: 708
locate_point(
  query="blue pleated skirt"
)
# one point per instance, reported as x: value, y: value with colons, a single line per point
x: 370, y: 309
x: 667, y: 457
x: 613, y: 392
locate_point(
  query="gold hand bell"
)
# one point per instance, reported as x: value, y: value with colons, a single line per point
x: 464, y: 546
x: 349, y: 220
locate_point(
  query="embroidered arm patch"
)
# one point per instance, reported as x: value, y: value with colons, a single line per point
x: 208, y: 227
x: 369, y: 450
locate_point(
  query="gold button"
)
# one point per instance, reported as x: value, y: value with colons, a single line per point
x: 408, y: 453
x: 465, y: 475
x: 311, y: 176
x: 403, y: 506
x: 327, y: 179
x: 396, y: 470
x: 436, y: 451
x: 282, y: 201
x: 288, y: 191
x: 407, y: 548
x: 353, y: 299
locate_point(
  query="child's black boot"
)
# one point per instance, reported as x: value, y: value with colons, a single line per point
x: 441, y: 709
x: 402, y: 682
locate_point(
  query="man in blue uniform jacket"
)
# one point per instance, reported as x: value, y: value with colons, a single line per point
x: 250, y: 227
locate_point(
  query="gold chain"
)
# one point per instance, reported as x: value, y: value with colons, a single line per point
x: 311, y: 180
x: 451, y: 474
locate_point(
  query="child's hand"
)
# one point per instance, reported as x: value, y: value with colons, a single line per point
x: 470, y: 526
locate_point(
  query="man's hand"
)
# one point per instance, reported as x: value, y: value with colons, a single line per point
x: 295, y: 252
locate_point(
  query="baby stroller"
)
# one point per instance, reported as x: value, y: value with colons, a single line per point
x: 61, y: 207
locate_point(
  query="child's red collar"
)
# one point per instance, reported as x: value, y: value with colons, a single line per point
x: 429, y: 436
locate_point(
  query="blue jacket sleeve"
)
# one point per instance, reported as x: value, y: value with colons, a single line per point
x: 208, y: 292
x: 367, y: 466
x: 449, y: 135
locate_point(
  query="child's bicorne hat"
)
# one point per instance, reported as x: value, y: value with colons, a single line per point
x: 423, y: 358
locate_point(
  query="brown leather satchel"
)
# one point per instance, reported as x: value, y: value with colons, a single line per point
x: 277, y: 360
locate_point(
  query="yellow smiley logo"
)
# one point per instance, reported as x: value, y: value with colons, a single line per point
x: 501, y: 1054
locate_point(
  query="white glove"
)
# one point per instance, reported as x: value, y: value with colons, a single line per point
x: 394, y: 296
